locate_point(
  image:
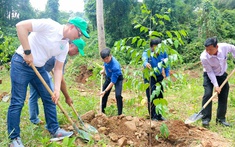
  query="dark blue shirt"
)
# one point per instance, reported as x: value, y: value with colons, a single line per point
x: 51, y: 63
x: 113, y: 70
x: 157, y: 61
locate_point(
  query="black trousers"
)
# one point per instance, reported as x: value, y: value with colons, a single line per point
x: 118, y: 94
x: 222, y: 97
x: 149, y: 91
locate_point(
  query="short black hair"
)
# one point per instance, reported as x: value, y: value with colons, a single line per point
x: 105, y: 53
x: 155, y: 41
x: 211, y: 41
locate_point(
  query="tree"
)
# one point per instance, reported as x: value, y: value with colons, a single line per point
x: 90, y: 9
x: 52, y: 9
x: 117, y: 19
x: 100, y: 24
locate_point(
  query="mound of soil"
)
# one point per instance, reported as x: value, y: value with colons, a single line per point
x: 84, y: 74
x: 133, y: 131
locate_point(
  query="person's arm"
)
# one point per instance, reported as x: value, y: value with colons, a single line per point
x: 145, y: 60
x: 114, y: 78
x: 57, y: 80
x: 211, y: 75
x: 166, y: 65
x: 64, y: 90
x: 23, y: 29
x: 102, y: 71
x: 107, y: 88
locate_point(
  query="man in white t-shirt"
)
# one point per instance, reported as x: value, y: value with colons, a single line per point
x: 47, y: 38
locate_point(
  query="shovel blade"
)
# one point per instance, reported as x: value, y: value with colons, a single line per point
x: 193, y: 118
x: 89, y: 128
x: 83, y: 134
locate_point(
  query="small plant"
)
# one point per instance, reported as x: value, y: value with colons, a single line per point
x: 68, y: 142
x: 111, y: 110
x: 164, y: 132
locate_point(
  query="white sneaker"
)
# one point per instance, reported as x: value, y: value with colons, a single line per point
x: 16, y: 142
x: 60, y: 134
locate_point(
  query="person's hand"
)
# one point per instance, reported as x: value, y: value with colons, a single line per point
x: 148, y: 65
x: 55, y: 97
x: 217, y: 89
x: 69, y: 101
x: 102, y: 93
x: 28, y: 59
x: 102, y: 72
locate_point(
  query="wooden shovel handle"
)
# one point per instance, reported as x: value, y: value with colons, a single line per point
x: 221, y: 86
x: 51, y: 93
x: 101, y: 88
x: 74, y: 110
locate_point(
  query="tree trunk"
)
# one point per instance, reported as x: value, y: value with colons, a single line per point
x: 100, y: 24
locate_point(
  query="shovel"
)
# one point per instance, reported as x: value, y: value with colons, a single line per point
x: 82, y: 134
x: 199, y: 115
x: 101, y: 88
x: 85, y: 126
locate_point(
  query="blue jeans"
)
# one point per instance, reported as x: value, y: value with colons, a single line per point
x: 33, y: 102
x: 21, y: 75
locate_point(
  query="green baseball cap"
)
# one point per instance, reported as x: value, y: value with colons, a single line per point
x: 81, y: 24
x: 80, y: 44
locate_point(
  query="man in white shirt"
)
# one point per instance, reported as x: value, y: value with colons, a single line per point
x: 214, y: 61
x: 40, y: 40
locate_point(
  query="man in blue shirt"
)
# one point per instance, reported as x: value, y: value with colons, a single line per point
x: 157, y: 61
x: 114, y: 76
x: 75, y: 47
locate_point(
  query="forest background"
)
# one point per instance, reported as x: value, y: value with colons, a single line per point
x: 128, y: 25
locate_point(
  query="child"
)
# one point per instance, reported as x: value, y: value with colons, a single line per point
x: 114, y: 76
x: 154, y: 62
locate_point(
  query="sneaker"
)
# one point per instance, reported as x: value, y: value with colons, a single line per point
x: 16, y: 142
x: 60, y: 134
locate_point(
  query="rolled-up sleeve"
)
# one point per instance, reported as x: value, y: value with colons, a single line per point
x: 145, y: 58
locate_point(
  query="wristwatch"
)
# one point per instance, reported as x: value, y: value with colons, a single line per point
x: 27, y: 52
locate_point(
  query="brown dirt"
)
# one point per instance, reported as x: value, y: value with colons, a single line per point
x: 133, y: 131
x: 84, y: 74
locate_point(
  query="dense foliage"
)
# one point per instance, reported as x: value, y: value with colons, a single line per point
x: 200, y: 19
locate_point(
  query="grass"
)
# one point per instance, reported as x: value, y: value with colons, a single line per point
x: 184, y: 99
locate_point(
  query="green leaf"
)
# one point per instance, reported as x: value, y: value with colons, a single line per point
x: 65, y: 141
x: 139, y: 42
x: 156, y: 137
x: 137, y: 26
x: 169, y: 34
x: 166, y: 17
x: 161, y: 22
x: 142, y: 28
x: 164, y: 130
x: 183, y: 32
x: 176, y: 43
x: 134, y: 40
